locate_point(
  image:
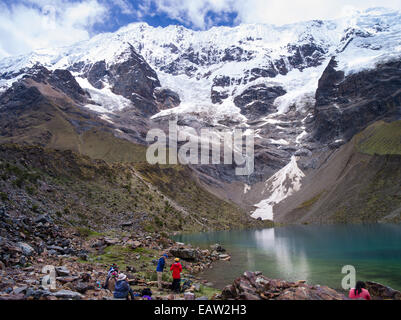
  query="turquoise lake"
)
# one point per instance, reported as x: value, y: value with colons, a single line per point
x: 316, y: 254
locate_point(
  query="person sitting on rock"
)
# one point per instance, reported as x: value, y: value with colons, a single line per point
x: 112, y: 269
x: 359, y: 292
x: 159, y: 269
x: 111, y: 281
x: 176, y: 267
x: 122, y: 288
x: 111, y: 277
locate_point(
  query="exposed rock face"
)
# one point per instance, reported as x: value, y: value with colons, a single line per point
x: 306, y: 55
x: 130, y: 77
x: 258, y: 100
x: 167, y: 98
x: 346, y: 105
x: 255, y: 286
x: 64, y: 81
x: 60, y: 80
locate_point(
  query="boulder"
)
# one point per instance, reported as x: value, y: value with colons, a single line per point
x: 111, y: 241
x: 185, y: 253
x: 255, y: 286
x: 134, y: 244
x: 127, y: 224
x: 224, y: 257
x: 43, y: 219
x: 381, y: 292
x: 20, y: 290
x: 82, y: 287
x: 229, y: 292
x: 217, y: 247
x: 189, y: 296
x: 62, y: 271
x: 27, y: 250
x: 67, y: 295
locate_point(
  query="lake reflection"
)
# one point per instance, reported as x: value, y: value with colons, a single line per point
x: 313, y: 253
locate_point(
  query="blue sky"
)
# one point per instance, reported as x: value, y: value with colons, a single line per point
x: 26, y: 25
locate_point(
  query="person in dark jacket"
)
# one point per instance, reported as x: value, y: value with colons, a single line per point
x: 122, y: 288
x: 176, y: 267
x: 159, y: 269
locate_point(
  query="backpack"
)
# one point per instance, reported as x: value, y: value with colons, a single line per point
x: 187, y: 285
x: 146, y: 292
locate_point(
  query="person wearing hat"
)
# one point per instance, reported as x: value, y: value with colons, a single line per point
x: 160, y: 269
x: 176, y: 267
x: 122, y: 288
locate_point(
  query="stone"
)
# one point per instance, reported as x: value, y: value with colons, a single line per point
x: 127, y: 224
x: 55, y: 248
x: 27, y: 250
x: 37, y: 294
x: 229, y: 292
x: 68, y: 295
x: 111, y: 241
x: 224, y: 257
x: 255, y: 286
x: 189, y: 296
x: 20, y: 290
x: 381, y: 292
x: 217, y: 247
x: 184, y: 253
x: 62, y: 271
x: 67, y: 279
x: 43, y: 219
x: 135, y: 244
x: 82, y: 287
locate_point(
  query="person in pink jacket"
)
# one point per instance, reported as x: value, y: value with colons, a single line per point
x: 359, y: 292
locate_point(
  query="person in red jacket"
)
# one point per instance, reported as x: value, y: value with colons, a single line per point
x: 176, y: 267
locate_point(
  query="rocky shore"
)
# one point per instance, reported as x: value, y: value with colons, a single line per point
x: 31, y: 247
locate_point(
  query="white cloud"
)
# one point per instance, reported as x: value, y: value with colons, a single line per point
x: 125, y: 6
x: 190, y: 12
x: 38, y: 24
x: 194, y: 12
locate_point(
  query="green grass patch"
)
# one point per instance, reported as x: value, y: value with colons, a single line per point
x: 88, y: 233
x: 309, y: 203
x: 207, y: 292
x: 380, y: 138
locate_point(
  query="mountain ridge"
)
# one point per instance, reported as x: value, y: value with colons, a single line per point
x: 296, y: 85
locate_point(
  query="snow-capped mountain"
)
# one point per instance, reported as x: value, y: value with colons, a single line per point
x: 280, y: 81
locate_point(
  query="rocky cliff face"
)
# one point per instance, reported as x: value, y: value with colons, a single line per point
x: 346, y: 105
